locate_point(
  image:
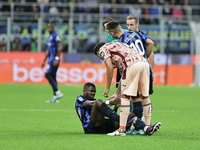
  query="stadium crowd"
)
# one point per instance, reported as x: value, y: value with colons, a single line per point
x: 85, y: 11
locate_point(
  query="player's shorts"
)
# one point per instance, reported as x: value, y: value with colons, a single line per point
x: 136, y: 78
x: 51, y: 69
x: 118, y: 77
x: 107, y: 127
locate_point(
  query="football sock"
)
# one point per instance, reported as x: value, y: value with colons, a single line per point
x: 108, y: 112
x: 138, y: 109
x: 125, y: 109
x: 52, y: 83
x: 147, y: 111
x: 139, y: 125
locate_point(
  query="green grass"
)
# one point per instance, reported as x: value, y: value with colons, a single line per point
x: 28, y: 123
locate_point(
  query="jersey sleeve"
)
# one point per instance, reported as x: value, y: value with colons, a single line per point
x: 80, y: 99
x: 57, y: 38
x: 104, y: 53
x: 144, y: 36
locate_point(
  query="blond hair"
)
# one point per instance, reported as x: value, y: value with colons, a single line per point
x: 133, y: 17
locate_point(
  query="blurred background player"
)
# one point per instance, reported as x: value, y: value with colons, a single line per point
x: 53, y: 55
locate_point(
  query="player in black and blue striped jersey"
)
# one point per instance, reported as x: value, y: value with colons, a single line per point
x: 92, y: 112
x: 53, y: 54
x: 134, y: 39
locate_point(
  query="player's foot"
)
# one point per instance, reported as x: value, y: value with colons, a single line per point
x: 133, y: 131
x: 130, y: 122
x: 118, y: 132
x: 150, y: 130
x: 54, y: 100
x: 58, y: 94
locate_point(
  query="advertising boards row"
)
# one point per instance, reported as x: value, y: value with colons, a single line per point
x: 25, y: 68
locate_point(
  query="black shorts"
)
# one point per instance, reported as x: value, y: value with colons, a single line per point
x: 107, y: 127
x: 52, y: 70
x: 150, y: 82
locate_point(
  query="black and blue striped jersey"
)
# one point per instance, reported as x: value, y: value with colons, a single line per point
x: 137, y: 41
x: 83, y: 112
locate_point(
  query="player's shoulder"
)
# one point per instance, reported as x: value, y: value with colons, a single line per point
x: 81, y: 98
x: 142, y: 33
x: 110, y: 38
x: 125, y: 30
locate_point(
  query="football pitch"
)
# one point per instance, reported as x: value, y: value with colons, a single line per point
x: 28, y: 123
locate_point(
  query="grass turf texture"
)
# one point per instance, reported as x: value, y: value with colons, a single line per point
x: 27, y: 122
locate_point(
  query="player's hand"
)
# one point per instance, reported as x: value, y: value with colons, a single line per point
x: 55, y: 63
x: 113, y: 96
x: 116, y: 102
x: 106, y: 91
x: 42, y: 65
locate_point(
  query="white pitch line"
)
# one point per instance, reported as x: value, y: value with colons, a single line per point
x: 47, y: 110
x: 67, y: 110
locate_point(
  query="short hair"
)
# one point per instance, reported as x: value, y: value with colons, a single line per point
x: 106, y: 20
x: 133, y: 17
x: 98, y: 46
x: 113, y: 26
x: 88, y: 84
x: 52, y: 23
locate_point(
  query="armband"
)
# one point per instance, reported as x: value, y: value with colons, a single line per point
x: 57, y: 58
x: 107, y: 102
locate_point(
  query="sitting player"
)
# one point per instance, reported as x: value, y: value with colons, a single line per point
x: 92, y: 112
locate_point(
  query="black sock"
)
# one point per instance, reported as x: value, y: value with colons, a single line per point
x: 138, y: 109
x: 52, y: 82
x: 108, y: 112
x: 139, y: 125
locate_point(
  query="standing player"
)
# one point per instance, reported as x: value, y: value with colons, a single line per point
x: 135, y: 77
x: 53, y: 55
x: 135, y: 41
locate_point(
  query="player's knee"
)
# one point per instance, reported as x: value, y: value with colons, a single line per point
x: 99, y: 102
x: 143, y: 97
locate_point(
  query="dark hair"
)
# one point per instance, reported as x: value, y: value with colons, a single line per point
x: 88, y: 84
x: 98, y: 46
x: 106, y: 20
x: 112, y: 26
x: 52, y: 23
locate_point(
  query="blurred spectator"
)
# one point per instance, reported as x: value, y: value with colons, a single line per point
x: 92, y: 39
x: 177, y: 13
x: 44, y: 6
x: 2, y: 46
x: 136, y: 10
x: 65, y: 13
x: 95, y: 13
x: 16, y: 45
x: 54, y: 13
x: 34, y: 44
x: 145, y: 19
x: 166, y: 9
x: 35, y: 11
x: 154, y: 12
x: 20, y: 15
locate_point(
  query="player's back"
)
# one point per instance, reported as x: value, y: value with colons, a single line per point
x: 82, y: 112
x: 122, y: 55
x: 135, y: 40
x: 53, y: 39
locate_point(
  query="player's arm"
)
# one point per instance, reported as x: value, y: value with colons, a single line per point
x: 149, y: 52
x: 45, y: 58
x: 59, y: 50
x: 88, y: 103
x: 109, y: 72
